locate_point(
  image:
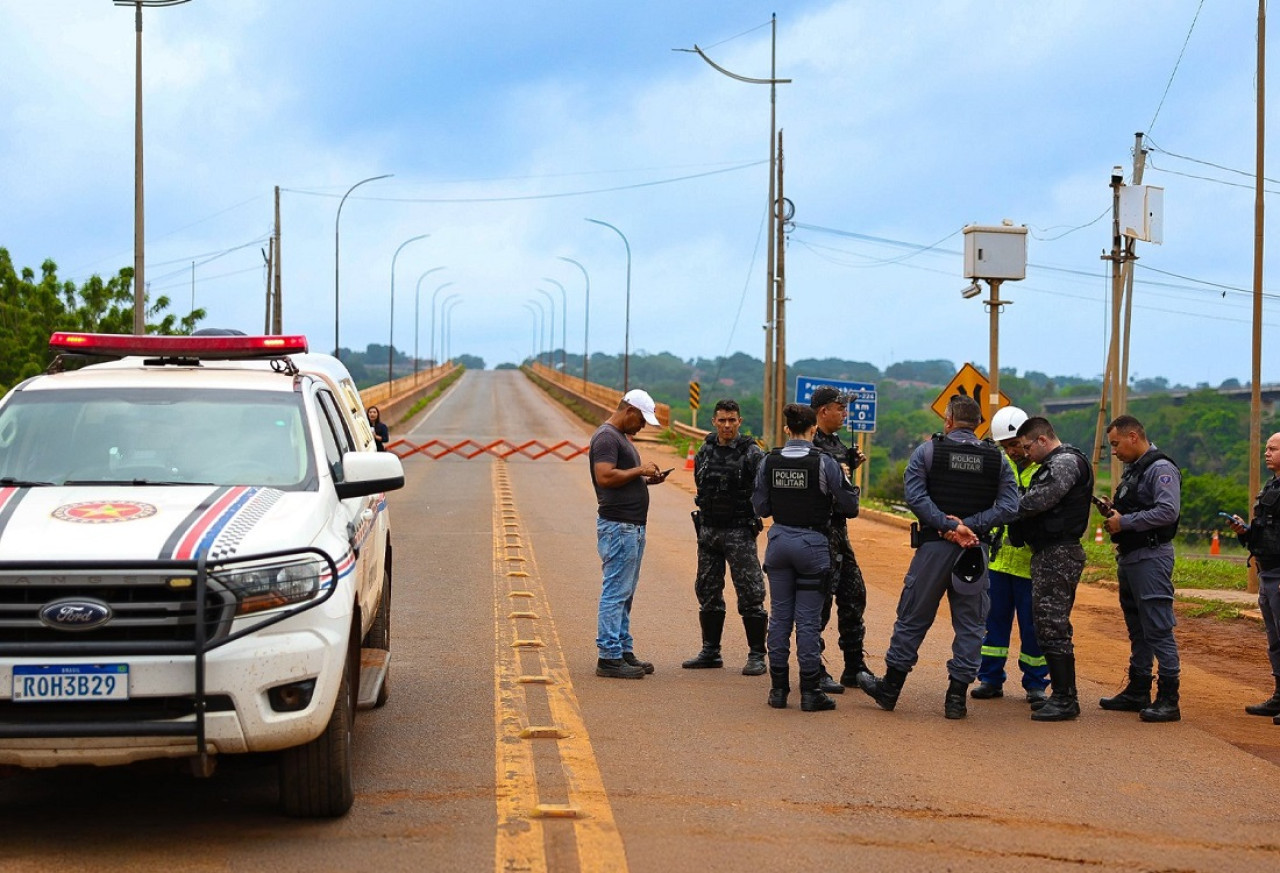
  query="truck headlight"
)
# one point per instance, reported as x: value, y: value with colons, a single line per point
x: 271, y: 586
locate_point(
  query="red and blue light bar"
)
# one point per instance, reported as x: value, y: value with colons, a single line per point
x: 198, y: 347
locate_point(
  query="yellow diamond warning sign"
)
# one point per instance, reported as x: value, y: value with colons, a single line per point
x: 970, y: 383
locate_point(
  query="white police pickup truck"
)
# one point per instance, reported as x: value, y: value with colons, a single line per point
x: 195, y: 559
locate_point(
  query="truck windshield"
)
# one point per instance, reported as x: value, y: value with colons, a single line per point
x: 156, y: 436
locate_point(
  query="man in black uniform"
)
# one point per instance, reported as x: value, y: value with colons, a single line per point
x: 1261, y: 537
x: 1053, y: 515
x: 1142, y: 521
x: 850, y: 590
x: 724, y: 471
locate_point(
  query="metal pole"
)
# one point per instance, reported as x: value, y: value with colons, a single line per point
x: 586, y: 321
x: 551, y: 328
x: 139, y: 218
x: 1122, y: 401
x: 542, y: 323
x: 564, y: 311
x: 417, y: 300
x: 779, y: 303
x: 537, y: 331
x: 447, y: 315
x: 434, y: 362
x: 337, y: 348
x: 1255, y: 396
x: 277, y: 314
x: 391, y: 329
x: 626, y: 349
x: 993, y: 378
x: 444, y: 305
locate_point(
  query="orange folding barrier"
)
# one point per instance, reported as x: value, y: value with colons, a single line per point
x: 532, y: 449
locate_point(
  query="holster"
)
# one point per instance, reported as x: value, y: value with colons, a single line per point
x: 697, y: 522
x: 915, y: 535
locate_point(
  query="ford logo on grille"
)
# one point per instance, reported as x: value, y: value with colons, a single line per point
x: 75, y: 614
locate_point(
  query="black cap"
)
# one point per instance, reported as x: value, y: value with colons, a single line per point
x: 969, y: 571
x: 824, y: 394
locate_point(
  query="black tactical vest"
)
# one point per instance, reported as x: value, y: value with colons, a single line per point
x: 794, y: 492
x: 1127, y: 502
x: 964, y: 478
x: 1069, y: 519
x: 725, y: 484
x: 1264, y: 530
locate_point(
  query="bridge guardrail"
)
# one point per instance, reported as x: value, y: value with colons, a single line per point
x: 395, y: 398
x: 604, y: 400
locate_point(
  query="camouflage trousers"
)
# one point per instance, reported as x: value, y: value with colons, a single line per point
x: 849, y: 592
x: 1055, y: 573
x: 735, y: 547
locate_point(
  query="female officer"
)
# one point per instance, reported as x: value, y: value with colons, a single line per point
x: 381, y: 434
x: 799, y: 486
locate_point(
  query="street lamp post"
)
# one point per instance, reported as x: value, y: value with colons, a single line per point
x: 417, y: 299
x: 448, y: 327
x: 434, y: 362
x: 391, y: 329
x: 551, y: 328
x: 586, y: 321
x: 537, y: 330
x: 337, y: 347
x: 564, y: 311
x: 774, y: 375
x: 626, y: 339
x: 444, y: 305
x: 139, y: 216
x: 542, y: 323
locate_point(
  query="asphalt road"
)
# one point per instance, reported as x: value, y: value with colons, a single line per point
x: 496, y: 580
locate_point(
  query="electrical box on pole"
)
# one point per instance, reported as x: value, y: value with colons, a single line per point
x: 995, y: 252
x: 1142, y: 213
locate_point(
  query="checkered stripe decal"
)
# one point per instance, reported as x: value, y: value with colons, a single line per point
x: 240, y: 521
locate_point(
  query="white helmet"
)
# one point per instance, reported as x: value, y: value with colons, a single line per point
x: 1005, y: 423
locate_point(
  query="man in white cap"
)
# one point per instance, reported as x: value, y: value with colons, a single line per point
x: 622, y: 492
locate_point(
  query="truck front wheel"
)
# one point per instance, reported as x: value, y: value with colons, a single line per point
x: 315, y: 778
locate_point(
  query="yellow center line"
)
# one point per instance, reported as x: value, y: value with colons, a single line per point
x: 520, y: 844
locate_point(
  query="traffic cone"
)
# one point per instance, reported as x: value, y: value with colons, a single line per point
x: 1097, y: 536
x: 1214, y: 548
x: 688, y: 462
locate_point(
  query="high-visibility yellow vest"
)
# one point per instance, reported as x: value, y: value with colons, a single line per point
x: 1010, y: 559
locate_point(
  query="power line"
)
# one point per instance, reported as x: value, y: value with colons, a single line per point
x: 552, y: 196
x: 1176, y: 64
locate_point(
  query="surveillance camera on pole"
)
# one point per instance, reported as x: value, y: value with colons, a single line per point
x: 996, y: 254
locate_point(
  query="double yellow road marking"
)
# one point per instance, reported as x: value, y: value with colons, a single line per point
x: 530, y: 674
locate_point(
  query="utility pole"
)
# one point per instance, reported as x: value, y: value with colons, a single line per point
x: 266, y: 311
x: 1255, y: 398
x: 1111, y: 372
x: 1122, y: 400
x: 277, y: 315
x: 780, y: 217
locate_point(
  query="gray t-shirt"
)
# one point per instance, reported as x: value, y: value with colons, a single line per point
x: 630, y: 503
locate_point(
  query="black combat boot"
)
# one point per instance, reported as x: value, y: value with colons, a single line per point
x: 1166, y: 706
x: 884, y: 691
x: 987, y: 691
x: 1134, y: 697
x: 712, y: 627
x: 953, y: 705
x: 1270, y: 706
x: 812, y: 698
x: 781, y: 680
x: 755, y: 626
x: 1064, y: 705
x: 854, y: 665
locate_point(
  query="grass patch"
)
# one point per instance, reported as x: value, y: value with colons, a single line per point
x: 1215, y: 609
x: 423, y: 401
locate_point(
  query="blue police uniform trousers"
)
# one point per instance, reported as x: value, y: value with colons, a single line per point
x: 1146, y: 600
x: 928, y: 579
x: 1011, y: 595
x: 796, y: 560
x: 1269, y: 604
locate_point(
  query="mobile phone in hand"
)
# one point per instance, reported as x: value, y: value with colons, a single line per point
x: 1104, y: 506
x: 667, y: 472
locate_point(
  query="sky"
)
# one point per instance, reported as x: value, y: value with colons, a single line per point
x: 505, y: 125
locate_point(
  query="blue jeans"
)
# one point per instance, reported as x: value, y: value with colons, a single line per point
x: 1010, y: 596
x: 621, y: 548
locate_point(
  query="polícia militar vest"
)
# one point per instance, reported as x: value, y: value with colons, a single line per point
x: 1264, y: 530
x: 1127, y: 501
x: 964, y: 478
x: 1069, y: 519
x: 725, y: 483
x: 794, y: 491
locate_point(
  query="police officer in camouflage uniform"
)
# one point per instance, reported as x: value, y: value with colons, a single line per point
x: 1053, y: 515
x: 724, y: 471
x: 1143, y: 520
x: 1261, y: 537
x: 850, y: 593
